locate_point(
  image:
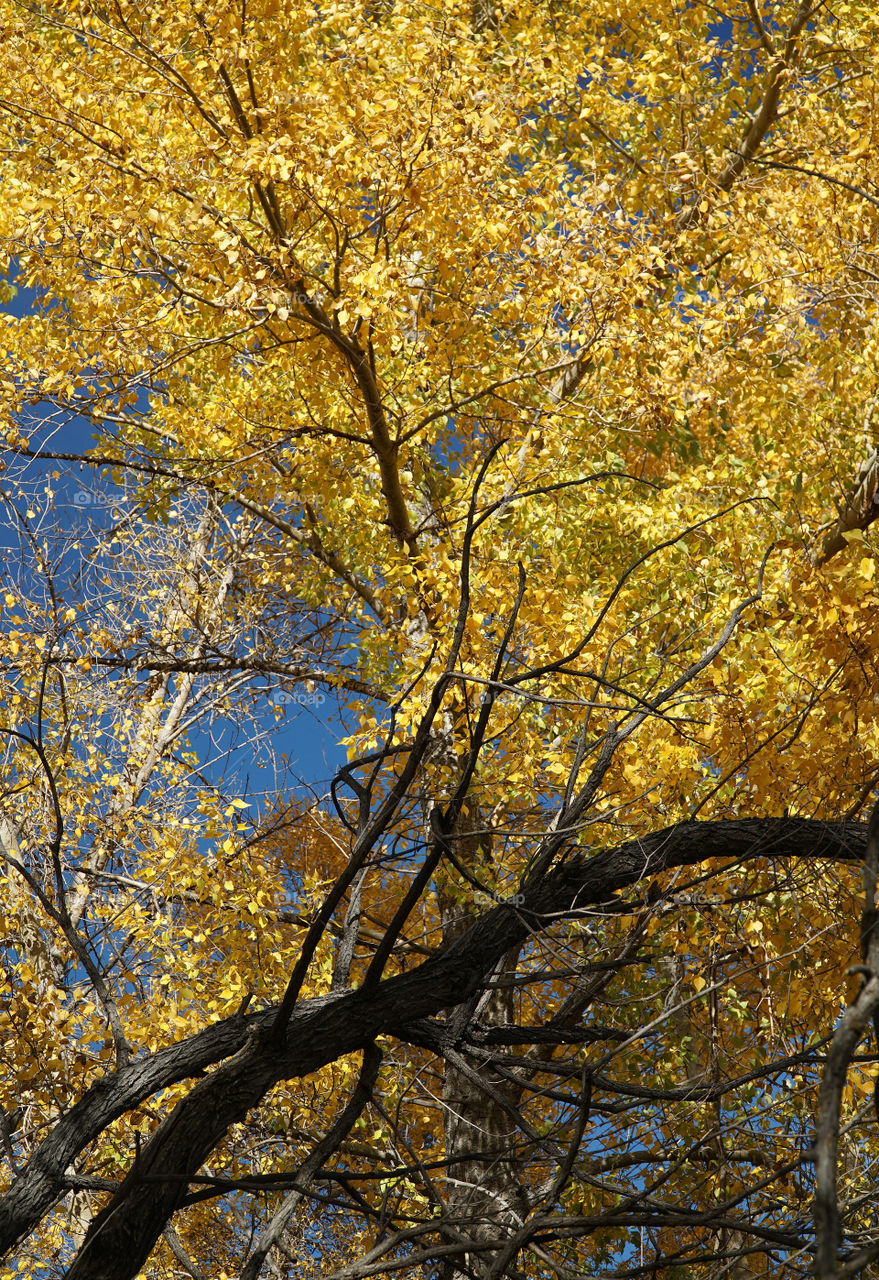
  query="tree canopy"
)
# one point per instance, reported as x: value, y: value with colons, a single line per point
x: 498, y: 381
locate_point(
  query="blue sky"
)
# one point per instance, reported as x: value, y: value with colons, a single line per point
x: 308, y: 731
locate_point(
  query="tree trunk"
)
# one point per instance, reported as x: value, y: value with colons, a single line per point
x: 485, y: 1196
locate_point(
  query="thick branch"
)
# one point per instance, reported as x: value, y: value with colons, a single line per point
x: 779, y: 72
x: 320, y: 1031
x: 858, y: 511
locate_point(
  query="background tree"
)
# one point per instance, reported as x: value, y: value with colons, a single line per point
x: 491, y: 371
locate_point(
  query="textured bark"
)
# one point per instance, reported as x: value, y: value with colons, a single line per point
x: 322, y: 1030
x: 483, y: 1189
x: 858, y: 511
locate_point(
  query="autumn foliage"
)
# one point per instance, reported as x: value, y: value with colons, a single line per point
x: 495, y: 383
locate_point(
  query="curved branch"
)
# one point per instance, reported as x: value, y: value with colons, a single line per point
x: 322, y: 1030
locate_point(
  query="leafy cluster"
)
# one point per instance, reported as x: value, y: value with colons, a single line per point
x: 482, y: 379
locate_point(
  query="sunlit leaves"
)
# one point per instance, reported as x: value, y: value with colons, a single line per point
x: 303, y: 271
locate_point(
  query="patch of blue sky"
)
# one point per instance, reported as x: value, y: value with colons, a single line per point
x: 85, y: 508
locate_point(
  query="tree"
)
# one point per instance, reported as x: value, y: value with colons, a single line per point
x: 490, y: 372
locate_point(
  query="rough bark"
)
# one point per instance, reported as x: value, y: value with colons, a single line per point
x: 858, y: 511
x: 322, y: 1030
x: 483, y: 1189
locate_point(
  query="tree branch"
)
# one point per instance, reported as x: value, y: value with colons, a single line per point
x: 322, y: 1030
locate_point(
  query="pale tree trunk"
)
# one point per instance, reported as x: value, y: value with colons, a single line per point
x: 163, y: 713
x: 31, y: 933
